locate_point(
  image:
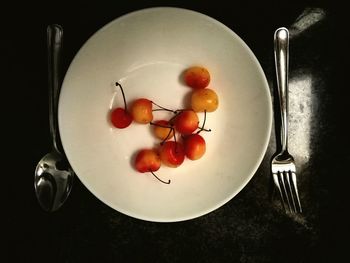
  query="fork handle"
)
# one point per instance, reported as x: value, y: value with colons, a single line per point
x: 281, y: 49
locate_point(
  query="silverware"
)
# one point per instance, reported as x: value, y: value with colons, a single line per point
x: 53, y: 175
x: 283, y: 165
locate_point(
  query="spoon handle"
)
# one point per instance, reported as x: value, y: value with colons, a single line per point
x: 54, y: 45
x: 281, y: 49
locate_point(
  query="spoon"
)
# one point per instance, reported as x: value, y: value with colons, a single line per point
x: 53, y: 177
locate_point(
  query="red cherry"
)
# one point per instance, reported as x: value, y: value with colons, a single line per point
x: 148, y: 160
x: 120, y: 118
x: 172, y: 154
x: 186, y: 122
x: 194, y: 146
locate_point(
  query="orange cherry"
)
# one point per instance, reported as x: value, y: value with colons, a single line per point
x: 197, y: 77
x: 141, y: 111
x: 204, y: 100
x: 163, y: 130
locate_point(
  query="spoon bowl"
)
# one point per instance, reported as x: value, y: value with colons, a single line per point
x: 53, y: 181
x: 53, y: 177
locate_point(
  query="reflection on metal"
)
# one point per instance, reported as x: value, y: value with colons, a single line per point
x: 308, y: 18
x: 300, y: 109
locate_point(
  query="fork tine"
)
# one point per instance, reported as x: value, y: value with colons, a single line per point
x: 294, y: 181
x: 278, y: 186
x: 285, y: 190
x: 288, y: 174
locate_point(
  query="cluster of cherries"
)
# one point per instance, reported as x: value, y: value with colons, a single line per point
x: 172, y: 152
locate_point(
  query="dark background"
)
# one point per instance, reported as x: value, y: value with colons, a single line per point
x: 249, y: 228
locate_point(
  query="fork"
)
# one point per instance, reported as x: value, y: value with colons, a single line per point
x: 283, y: 165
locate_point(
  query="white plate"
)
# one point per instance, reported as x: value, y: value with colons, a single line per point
x: 146, y: 51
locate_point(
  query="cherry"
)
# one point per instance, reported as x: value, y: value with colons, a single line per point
x: 163, y: 130
x: 194, y: 146
x: 141, y: 111
x: 204, y: 100
x: 148, y: 160
x: 172, y: 154
x: 186, y: 122
x: 120, y: 117
x: 197, y: 77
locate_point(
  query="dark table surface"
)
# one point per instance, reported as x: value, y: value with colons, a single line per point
x: 251, y: 227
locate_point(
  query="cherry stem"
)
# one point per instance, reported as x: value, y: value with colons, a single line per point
x: 172, y: 118
x: 202, y: 128
x: 205, y: 118
x: 168, y: 182
x: 171, y: 128
x: 121, y: 88
x: 167, y: 137
x: 162, y: 108
x: 181, y: 110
